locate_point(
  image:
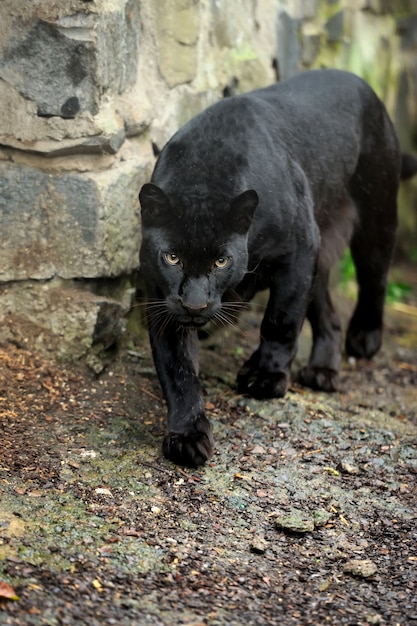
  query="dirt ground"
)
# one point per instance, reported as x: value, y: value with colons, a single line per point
x: 306, y: 514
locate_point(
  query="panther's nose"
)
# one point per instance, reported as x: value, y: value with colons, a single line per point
x: 195, y: 309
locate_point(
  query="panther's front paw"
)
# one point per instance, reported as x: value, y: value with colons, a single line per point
x: 261, y: 384
x: 193, y: 447
x: 319, y: 378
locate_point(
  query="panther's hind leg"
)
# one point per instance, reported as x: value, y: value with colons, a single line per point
x: 322, y: 371
x: 371, y: 246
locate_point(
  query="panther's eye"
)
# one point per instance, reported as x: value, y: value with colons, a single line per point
x: 171, y: 258
x: 221, y: 262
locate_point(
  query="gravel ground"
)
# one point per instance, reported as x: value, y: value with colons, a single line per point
x: 306, y: 514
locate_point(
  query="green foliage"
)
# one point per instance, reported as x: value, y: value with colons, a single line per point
x: 238, y: 352
x: 347, y: 268
x: 397, y: 290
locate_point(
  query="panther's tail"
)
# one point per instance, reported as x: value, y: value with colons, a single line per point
x: 408, y: 166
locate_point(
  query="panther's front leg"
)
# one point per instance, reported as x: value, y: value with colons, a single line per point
x: 266, y: 373
x: 188, y: 440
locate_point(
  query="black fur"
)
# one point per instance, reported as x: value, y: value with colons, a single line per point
x: 408, y: 166
x: 264, y: 190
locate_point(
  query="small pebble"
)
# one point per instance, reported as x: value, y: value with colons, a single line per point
x: 259, y: 545
x: 362, y: 568
x: 348, y: 468
x: 297, y: 522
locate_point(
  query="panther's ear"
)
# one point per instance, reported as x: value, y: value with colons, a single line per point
x: 154, y: 203
x: 242, y: 210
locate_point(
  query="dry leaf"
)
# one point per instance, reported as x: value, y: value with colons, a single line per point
x: 7, y: 592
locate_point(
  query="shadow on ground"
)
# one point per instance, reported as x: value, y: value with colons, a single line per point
x: 305, y: 515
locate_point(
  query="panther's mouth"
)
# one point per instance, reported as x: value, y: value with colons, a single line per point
x: 190, y: 322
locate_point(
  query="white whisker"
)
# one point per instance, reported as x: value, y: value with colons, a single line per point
x: 228, y: 318
x: 158, y: 316
x: 253, y: 271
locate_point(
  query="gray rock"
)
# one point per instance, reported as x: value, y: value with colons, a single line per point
x: 53, y: 70
x: 72, y: 225
x: 61, y: 318
x: 118, y: 46
x: 310, y: 48
x: 177, y: 27
x: 287, y: 45
x: 334, y: 27
x: 65, y: 66
x: 98, y: 144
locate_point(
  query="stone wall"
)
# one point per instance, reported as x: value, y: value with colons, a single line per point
x: 90, y: 90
